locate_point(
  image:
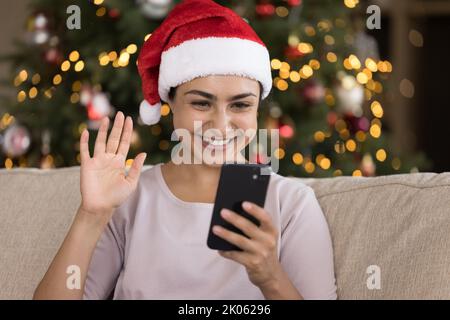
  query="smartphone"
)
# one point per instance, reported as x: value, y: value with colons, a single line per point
x: 237, y: 183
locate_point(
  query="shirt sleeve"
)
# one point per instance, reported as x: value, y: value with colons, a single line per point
x: 306, y: 252
x: 106, y: 262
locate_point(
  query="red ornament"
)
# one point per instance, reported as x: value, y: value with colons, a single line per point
x: 265, y: 9
x: 114, y: 13
x: 292, y: 52
x: 331, y: 118
x: 294, y: 3
x: 53, y: 56
x: 286, y: 131
x: 356, y: 124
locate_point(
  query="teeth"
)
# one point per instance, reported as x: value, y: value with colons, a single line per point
x: 216, y: 142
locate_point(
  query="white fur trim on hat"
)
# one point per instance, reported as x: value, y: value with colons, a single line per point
x: 150, y: 114
x: 214, y: 55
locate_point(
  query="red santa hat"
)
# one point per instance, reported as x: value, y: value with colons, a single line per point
x: 198, y: 38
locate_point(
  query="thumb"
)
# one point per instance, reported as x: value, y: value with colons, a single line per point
x: 136, y: 166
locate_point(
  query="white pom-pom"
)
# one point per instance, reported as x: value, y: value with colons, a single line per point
x: 150, y: 114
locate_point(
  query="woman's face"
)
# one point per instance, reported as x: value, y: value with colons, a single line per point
x: 220, y: 114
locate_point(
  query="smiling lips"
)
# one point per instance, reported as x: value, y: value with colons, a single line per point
x: 216, y: 143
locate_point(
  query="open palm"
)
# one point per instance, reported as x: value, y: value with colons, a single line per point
x: 104, y: 184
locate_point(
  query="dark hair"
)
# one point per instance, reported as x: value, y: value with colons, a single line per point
x: 173, y: 91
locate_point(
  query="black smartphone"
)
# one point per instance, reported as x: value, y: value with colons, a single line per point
x: 237, y: 183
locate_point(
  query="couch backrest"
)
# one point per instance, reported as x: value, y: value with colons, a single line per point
x: 391, y: 230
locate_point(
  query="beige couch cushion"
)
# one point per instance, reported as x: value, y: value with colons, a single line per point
x: 399, y: 223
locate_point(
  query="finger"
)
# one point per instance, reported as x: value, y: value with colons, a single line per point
x: 235, y: 238
x: 135, y: 170
x: 100, y: 141
x: 114, y: 136
x: 260, y: 214
x: 126, y: 137
x: 241, y: 257
x: 243, y: 224
x: 84, y: 146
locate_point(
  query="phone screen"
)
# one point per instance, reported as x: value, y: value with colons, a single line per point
x: 237, y: 183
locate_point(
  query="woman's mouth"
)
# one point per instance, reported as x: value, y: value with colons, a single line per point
x: 217, y: 143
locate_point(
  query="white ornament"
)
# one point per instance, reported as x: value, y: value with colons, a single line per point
x: 350, y: 95
x: 154, y: 9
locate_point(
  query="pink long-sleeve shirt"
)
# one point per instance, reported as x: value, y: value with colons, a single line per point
x: 154, y: 247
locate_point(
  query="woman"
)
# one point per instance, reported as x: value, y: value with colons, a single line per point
x: 143, y: 235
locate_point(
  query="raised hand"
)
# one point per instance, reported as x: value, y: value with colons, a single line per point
x: 104, y: 185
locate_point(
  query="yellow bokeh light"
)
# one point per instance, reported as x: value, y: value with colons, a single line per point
x: 282, y: 85
x: 21, y: 96
x: 331, y: 57
x: 165, y: 109
x: 279, y: 153
x: 74, y: 97
x: 310, y: 31
x: 132, y: 48
x: 319, y: 136
x: 376, y: 109
x: 285, y: 66
x: 33, y: 93
x: 36, y: 79
x: 76, y: 86
x: 23, y: 75
x: 362, y: 78
x: 396, y: 163
x: 354, y: 62
x: 74, y: 56
x: 310, y: 167
x: 57, y: 79
x: 381, y: 155
x: 297, y: 158
x: 305, y: 48
x: 360, y: 136
x: 357, y: 173
x: 329, y: 40
x: 276, y: 64
x: 65, y: 65
x: 282, y: 11
x: 315, y: 64
x: 306, y: 72
x: 350, y: 145
x: 100, y: 12
x: 347, y: 64
x: 79, y: 66
x: 325, y: 163
x: 375, y: 131
x: 284, y: 73
x: 371, y: 65
x: 294, y: 76
x: 103, y: 59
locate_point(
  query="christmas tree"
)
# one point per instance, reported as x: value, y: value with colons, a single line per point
x: 326, y: 100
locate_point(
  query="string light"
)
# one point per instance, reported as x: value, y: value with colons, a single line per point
x: 380, y: 155
x: 297, y: 158
x: 33, y: 93
x: 79, y: 66
x: 74, y: 56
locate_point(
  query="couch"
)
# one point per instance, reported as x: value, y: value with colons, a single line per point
x: 391, y: 234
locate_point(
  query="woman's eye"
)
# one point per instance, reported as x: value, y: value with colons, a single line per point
x: 200, y: 104
x: 240, y: 105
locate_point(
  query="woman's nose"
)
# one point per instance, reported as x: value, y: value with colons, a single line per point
x: 221, y: 121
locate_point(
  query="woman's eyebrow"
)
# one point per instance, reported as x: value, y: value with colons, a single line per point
x: 214, y: 98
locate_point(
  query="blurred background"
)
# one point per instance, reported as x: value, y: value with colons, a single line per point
x: 360, y: 87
